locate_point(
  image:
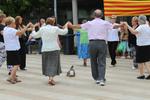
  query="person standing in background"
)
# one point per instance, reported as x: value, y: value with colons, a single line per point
x: 124, y: 33
x: 83, y: 44
x: 41, y: 24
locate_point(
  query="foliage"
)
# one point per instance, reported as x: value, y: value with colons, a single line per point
x: 24, y: 7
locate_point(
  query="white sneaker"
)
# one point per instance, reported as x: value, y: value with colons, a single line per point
x: 133, y: 68
x: 97, y: 82
x: 102, y: 83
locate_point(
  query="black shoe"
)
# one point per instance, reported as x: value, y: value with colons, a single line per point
x: 113, y: 62
x: 23, y: 69
x: 104, y: 79
x: 141, y: 77
x: 148, y: 77
x: 85, y: 64
x: 9, y: 73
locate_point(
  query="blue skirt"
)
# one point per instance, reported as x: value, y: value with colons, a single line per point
x: 83, y: 49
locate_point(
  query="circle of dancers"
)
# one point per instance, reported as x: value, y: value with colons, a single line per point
x: 93, y: 39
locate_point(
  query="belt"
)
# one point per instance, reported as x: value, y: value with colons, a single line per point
x: 96, y: 40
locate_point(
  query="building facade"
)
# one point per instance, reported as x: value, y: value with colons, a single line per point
x: 76, y: 10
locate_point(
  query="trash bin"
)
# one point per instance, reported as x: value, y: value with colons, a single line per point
x: 68, y: 44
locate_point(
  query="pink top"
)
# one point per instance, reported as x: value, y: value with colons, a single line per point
x: 97, y: 29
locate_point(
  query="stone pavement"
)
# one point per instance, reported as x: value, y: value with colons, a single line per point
x: 121, y: 83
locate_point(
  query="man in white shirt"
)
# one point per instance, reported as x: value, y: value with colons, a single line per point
x: 113, y: 39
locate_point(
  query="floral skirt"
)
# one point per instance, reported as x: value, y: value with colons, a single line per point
x: 2, y: 53
x: 83, y: 51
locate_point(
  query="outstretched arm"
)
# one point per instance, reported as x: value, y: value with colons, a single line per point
x: 22, y: 31
x: 70, y: 25
x: 133, y: 31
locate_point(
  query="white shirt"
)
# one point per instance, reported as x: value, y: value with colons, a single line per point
x: 49, y: 35
x: 143, y: 38
x: 113, y: 35
x: 11, y: 40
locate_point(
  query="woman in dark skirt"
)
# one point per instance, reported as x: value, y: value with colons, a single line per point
x: 12, y: 46
x: 50, y: 48
x: 143, y: 45
x: 22, y: 40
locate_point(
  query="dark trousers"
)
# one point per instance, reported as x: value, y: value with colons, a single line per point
x: 39, y: 45
x: 22, y: 53
x: 98, y: 51
x: 112, y: 46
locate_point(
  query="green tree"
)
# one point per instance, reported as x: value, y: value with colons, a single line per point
x: 14, y: 7
x: 22, y: 7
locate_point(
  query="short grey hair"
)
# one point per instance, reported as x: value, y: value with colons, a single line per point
x: 98, y: 13
x: 142, y: 19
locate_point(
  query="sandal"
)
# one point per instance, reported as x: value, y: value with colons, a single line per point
x: 11, y: 81
x: 52, y: 82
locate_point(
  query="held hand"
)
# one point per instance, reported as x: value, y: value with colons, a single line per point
x: 70, y: 25
x: 37, y: 24
x: 66, y: 25
x: 30, y: 37
x: 124, y: 23
x: 29, y: 24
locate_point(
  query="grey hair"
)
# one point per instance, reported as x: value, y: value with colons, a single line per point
x: 142, y: 19
x: 98, y: 13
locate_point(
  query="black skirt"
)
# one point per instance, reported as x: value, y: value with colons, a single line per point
x: 142, y: 54
x: 13, y: 58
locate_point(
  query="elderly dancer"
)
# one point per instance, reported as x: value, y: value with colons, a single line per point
x: 50, y: 48
x: 142, y: 34
x: 132, y: 41
x: 113, y: 39
x: 2, y: 47
x: 12, y: 46
x: 97, y: 33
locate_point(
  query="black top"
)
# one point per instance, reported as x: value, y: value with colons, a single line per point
x: 132, y: 39
x: 1, y: 29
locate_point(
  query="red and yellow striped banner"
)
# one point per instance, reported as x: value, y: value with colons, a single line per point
x: 126, y: 7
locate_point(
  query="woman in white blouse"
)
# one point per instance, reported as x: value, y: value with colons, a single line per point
x: 143, y: 45
x: 50, y: 48
x: 12, y: 46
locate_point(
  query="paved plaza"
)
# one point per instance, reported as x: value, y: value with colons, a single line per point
x: 121, y: 82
